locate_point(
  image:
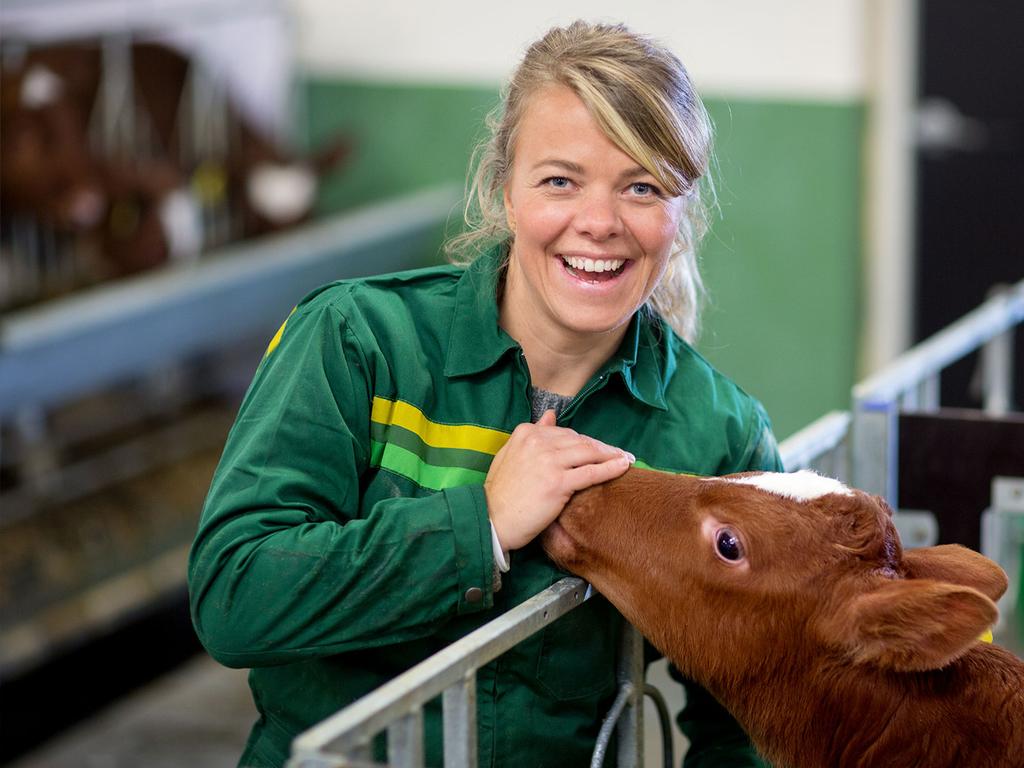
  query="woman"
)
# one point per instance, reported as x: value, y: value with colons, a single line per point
x: 408, y: 436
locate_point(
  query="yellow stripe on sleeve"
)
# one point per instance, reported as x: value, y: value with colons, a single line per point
x: 277, y: 336
x: 465, y: 436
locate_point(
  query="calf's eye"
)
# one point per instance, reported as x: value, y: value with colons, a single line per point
x: 728, y: 545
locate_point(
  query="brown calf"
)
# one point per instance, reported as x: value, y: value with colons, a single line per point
x: 790, y: 598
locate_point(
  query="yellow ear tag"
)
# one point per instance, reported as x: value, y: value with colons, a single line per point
x: 986, y: 636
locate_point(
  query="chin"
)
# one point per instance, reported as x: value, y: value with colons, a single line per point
x: 597, y: 325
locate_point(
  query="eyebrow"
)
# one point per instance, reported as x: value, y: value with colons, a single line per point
x: 633, y: 173
x: 567, y: 165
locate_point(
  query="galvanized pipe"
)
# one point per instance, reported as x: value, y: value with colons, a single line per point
x: 997, y: 315
x: 997, y: 374
x: 822, y: 437
x: 458, y: 710
x: 630, y: 728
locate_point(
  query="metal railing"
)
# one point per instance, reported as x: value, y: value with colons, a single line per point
x: 345, y: 739
x: 823, y: 445
x: 912, y: 382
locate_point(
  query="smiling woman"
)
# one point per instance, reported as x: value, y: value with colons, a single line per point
x: 593, y: 237
x: 407, y: 437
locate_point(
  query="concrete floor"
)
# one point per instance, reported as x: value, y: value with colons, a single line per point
x: 198, y: 716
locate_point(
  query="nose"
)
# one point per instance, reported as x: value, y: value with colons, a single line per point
x: 598, y: 216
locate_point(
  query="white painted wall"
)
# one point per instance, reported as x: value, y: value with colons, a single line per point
x: 800, y: 49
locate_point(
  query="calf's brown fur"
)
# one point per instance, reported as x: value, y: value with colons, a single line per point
x: 828, y: 643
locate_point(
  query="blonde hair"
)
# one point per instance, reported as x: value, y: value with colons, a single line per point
x: 642, y: 98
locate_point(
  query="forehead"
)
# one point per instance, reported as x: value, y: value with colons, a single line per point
x: 557, y: 124
x: 803, y: 508
x: 799, y: 486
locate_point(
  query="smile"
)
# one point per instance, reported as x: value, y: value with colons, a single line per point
x: 593, y: 270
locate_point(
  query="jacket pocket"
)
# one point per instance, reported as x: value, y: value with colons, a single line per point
x: 578, y: 652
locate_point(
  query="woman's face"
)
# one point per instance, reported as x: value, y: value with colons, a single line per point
x: 593, y: 231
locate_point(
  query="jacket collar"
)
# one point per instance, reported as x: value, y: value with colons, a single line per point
x: 644, y: 360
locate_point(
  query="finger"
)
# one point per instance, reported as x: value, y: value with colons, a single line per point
x: 548, y: 418
x: 588, y: 451
x: 593, y: 474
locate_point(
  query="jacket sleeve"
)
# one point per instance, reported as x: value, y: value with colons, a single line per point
x: 716, y: 739
x: 286, y: 565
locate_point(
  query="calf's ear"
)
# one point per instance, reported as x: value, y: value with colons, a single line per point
x: 957, y: 565
x: 913, y: 625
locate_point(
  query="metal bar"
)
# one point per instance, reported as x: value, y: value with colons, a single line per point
x: 40, y: 22
x: 874, y: 449
x: 61, y: 349
x: 834, y: 463
x: 992, y: 318
x: 997, y: 374
x: 910, y: 399
x: 929, y: 393
x: 604, y: 736
x: 459, y: 717
x: 405, y: 741
x: 630, y: 728
x: 667, y: 748
x: 801, y: 449
x: 359, y: 722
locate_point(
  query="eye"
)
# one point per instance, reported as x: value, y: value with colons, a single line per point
x: 557, y: 182
x: 728, y: 545
x: 643, y: 189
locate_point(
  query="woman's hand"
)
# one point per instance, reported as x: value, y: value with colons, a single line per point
x: 537, y: 470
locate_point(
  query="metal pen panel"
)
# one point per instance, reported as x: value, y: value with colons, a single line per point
x: 355, y: 726
x: 875, y: 428
x: 459, y: 718
x: 60, y: 350
x: 821, y: 445
x: 405, y: 740
x: 997, y: 374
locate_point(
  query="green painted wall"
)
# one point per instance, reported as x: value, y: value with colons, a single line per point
x: 782, y: 262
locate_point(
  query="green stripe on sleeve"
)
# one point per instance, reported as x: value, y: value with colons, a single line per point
x: 439, y: 457
x: 404, y: 462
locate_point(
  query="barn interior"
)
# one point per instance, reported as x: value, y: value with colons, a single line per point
x: 175, y: 176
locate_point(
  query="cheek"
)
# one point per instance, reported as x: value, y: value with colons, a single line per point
x: 659, y: 233
x: 540, y: 222
x: 656, y: 228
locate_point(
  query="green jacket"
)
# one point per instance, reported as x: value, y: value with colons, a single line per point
x: 345, y: 536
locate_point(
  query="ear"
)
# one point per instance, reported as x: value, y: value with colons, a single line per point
x: 912, y: 625
x: 957, y: 565
x: 510, y: 215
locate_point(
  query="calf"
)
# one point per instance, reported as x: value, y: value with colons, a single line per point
x: 790, y: 598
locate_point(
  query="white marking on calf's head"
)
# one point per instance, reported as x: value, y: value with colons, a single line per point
x: 799, y: 486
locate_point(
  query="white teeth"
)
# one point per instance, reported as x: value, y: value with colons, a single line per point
x: 593, y: 265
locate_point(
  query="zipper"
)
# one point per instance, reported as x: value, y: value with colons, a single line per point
x: 524, y: 371
x: 570, y: 409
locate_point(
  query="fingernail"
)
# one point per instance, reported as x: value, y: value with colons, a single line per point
x: 631, y: 457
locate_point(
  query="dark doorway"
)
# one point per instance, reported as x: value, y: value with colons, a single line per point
x: 970, y: 170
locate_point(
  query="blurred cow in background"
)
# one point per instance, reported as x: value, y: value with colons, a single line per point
x: 105, y: 172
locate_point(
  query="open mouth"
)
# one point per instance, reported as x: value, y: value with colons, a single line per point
x: 594, y: 270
